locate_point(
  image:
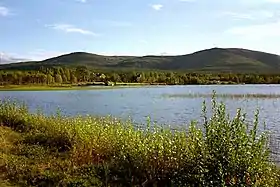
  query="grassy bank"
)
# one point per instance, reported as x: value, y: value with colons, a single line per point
x: 38, y: 87
x: 65, y: 87
x: 36, y: 150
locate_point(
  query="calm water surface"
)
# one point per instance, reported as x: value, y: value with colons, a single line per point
x: 139, y: 103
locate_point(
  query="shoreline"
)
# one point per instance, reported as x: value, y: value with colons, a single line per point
x: 98, y: 86
x: 65, y: 87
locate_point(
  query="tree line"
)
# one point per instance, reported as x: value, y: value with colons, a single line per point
x: 60, y: 75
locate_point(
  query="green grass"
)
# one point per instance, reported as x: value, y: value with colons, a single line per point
x: 65, y: 87
x: 39, y: 150
x: 35, y: 87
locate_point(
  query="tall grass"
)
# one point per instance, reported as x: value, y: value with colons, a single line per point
x: 89, y: 151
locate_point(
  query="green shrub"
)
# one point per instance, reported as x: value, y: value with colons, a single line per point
x: 13, y: 114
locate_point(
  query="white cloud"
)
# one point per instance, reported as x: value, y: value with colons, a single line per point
x: 112, y: 23
x: 82, y: 1
x: 119, y: 23
x: 259, y: 1
x: 4, y: 11
x: 187, y: 0
x: 272, y: 1
x: 250, y: 15
x: 237, y: 15
x: 157, y: 7
x: 258, y: 31
x: 34, y: 55
x: 71, y: 29
x: 42, y: 54
x: 143, y: 41
x: 7, y: 58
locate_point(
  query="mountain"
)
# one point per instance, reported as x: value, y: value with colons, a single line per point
x: 212, y: 60
x: 70, y: 60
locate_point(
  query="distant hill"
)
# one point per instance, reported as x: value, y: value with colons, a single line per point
x: 212, y: 60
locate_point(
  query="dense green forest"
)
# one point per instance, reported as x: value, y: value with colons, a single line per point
x: 58, y: 75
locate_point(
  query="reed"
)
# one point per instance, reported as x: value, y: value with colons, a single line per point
x: 228, y: 96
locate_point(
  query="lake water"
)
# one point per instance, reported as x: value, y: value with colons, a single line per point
x: 160, y: 103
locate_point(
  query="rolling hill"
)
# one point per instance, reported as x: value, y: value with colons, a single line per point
x: 212, y: 60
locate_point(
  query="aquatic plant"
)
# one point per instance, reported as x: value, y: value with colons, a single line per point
x: 226, y: 95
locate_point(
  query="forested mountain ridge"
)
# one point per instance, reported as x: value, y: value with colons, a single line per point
x: 212, y: 60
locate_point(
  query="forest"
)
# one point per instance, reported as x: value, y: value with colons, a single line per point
x: 63, y: 75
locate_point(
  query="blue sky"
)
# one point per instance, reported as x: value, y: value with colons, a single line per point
x: 39, y: 29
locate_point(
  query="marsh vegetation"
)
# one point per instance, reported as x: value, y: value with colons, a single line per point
x: 225, y: 95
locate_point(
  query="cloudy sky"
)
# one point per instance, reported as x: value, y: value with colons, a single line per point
x: 38, y: 29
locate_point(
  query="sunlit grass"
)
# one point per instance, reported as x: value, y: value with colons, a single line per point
x: 64, y: 87
x: 103, y: 151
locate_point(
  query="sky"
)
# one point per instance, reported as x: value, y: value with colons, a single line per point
x: 39, y: 29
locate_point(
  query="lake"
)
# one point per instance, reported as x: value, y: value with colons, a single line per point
x: 172, y: 105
